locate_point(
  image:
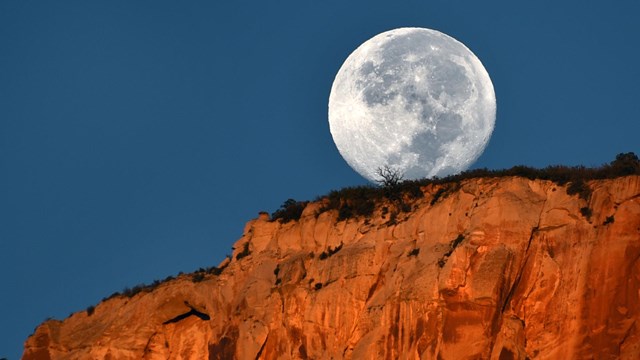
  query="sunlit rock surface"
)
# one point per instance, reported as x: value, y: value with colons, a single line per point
x: 503, y: 268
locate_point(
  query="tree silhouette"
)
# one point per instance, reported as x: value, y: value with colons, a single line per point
x: 388, y: 176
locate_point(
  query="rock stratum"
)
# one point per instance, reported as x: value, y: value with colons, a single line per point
x: 499, y: 268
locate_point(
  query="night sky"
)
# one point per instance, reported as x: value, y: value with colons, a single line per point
x: 138, y: 137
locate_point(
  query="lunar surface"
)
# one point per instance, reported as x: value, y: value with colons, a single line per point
x: 414, y: 100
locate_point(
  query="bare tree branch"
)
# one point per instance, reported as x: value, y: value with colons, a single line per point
x: 389, y: 177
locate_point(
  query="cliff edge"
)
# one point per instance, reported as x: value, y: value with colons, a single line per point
x: 495, y: 268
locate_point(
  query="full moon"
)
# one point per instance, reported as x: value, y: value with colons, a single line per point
x: 412, y: 100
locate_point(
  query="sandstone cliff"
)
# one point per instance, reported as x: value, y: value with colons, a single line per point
x: 500, y: 268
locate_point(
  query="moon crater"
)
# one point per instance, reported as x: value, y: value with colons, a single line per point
x: 414, y: 100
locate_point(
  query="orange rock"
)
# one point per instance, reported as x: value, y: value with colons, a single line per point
x: 502, y: 268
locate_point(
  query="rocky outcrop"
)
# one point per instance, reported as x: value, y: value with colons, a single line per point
x: 500, y: 268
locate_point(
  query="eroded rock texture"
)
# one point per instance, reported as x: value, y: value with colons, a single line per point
x: 504, y: 268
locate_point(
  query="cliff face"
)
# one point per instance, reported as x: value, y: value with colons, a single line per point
x: 504, y: 268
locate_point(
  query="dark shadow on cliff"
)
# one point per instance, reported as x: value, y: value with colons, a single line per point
x: 192, y: 312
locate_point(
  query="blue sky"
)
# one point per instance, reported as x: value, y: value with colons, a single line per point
x: 138, y: 137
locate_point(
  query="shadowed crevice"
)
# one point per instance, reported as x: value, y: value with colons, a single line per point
x: 192, y: 312
x: 259, y: 355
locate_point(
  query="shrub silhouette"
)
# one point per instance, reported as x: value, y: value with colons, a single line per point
x: 289, y: 210
x: 245, y: 252
x: 198, y: 276
x: 352, y: 202
x: 216, y: 270
x: 586, y: 212
x: 361, y: 200
x: 625, y: 164
x: 443, y: 192
x: 414, y: 252
x: 330, y: 252
x: 578, y: 186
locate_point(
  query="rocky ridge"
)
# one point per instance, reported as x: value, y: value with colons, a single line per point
x: 498, y: 268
